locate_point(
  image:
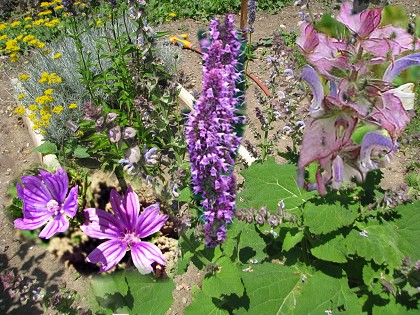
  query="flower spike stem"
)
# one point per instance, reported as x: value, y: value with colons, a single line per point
x: 191, y: 247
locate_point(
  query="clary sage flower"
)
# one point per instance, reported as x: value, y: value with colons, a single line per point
x: 124, y: 231
x: 44, y: 201
x: 353, y: 128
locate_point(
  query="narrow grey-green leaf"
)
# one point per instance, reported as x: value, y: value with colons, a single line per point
x: 81, y: 152
x: 46, y: 148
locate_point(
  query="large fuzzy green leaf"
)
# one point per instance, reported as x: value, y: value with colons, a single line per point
x: 393, y: 308
x: 110, y: 293
x: 245, y: 241
x: 408, y: 230
x: 266, y: 184
x: 293, y: 237
x: 276, y: 289
x: 323, y: 218
x: 389, y: 242
x: 133, y: 293
x: 226, y: 280
x: 379, y: 244
x: 327, y: 291
x: 331, y: 250
x: 151, y: 295
x: 203, y: 304
x: 271, y: 288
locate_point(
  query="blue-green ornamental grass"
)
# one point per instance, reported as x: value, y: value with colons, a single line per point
x: 350, y: 248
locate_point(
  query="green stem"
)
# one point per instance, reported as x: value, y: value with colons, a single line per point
x: 306, y: 248
x: 191, y: 248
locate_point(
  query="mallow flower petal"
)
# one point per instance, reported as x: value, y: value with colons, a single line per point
x: 58, y: 224
x: 309, y: 74
x: 102, y: 224
x: 132, y: 207
x: 399, y: 65
x: 57, y: 184
x: 119, y: 208
x: 34, y: 191
x: 70, y: 204
x: 108, y: 254
x: 144, y: 254
x: 31, y: 224
x: 150, y: 221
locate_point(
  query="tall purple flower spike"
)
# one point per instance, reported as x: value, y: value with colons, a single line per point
x: 212, y: 142
x: 45, y: 202
x: 124, y: 231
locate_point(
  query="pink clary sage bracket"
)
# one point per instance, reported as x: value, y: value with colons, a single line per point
x: 354, y: 118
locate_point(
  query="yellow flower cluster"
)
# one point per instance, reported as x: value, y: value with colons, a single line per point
x: 57, y: 55
x: 20, y: 110
x: 57, y: 109
x: 45, y: 98
x: 73, y: 106
x: 52, y: 23
x: 45, y: 4
x: 23, y: 77
x: 21, y: 96
x: 50, y: 78
x: 12, y: 45
x: 15, y: 24
x: 46, y: 12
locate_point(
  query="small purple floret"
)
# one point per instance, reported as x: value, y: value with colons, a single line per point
x: 45, y: 202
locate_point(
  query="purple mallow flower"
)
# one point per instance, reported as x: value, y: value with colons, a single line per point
x: 124, y: 231
x: 212, y: 142
x: 44, y: 201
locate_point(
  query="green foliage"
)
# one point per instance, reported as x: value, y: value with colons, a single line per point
x: 332, y: 27
x: 46, y: 147
x: 164, y: 10
x: 395, y: 15
x: 322, y: 217
x: 281, y: 180
x: 340, y: 252
x: 132, y: 293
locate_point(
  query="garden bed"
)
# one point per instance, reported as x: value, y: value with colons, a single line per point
x: 60, y: 268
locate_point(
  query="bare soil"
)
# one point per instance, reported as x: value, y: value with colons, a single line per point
x: 32, y: 259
